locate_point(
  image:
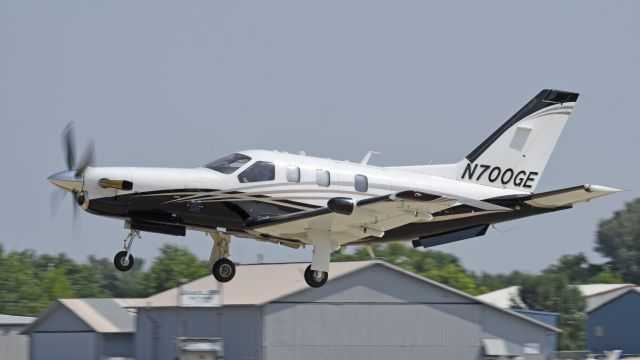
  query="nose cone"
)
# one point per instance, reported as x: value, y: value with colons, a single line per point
x: 66, y: 180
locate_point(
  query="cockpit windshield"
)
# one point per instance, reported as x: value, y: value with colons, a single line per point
x: 229, y: 163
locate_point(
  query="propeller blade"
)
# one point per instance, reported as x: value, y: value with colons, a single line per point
x: 74, y: 205
x: 76, y: 224
x: 88, y: 158
x: 68, y: 146
x: 56, y: 199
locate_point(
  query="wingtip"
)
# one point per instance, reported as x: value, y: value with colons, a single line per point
x: 600, y: 188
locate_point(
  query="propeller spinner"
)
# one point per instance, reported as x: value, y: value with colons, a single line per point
x: 72, y: 179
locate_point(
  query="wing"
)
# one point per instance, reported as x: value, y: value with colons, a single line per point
x: 349, y: 220
x: 569, y: 196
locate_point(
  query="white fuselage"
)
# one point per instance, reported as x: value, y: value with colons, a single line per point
x: 306, y: 191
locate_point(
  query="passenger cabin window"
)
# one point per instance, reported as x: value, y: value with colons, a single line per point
x: 228, y: 164
x: 260, y: 171
x: 323, y: 178
x: 293, y: 173
x: 361, y: 183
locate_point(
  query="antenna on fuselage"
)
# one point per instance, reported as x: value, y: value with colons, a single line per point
x: 365, y: 159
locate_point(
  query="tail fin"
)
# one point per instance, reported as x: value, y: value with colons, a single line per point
x: 515, y: 155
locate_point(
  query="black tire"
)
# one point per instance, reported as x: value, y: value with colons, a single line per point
x: 223, y: 270
x: 315, y: 279
x: 121, y: 263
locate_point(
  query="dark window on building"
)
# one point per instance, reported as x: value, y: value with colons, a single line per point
x: 260, y: 171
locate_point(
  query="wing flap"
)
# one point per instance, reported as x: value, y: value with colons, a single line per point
x: 569, y: 196
x: 367, y: 217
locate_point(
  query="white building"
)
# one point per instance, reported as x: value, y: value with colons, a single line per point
x: 14, y: 345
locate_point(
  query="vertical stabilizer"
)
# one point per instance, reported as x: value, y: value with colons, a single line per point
x: 515, y: 155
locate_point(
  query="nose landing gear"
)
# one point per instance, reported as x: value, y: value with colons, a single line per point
x: 123, y: 260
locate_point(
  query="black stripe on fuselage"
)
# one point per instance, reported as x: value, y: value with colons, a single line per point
x: 158, y: 206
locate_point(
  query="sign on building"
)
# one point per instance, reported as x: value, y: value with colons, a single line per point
x: 199, y: 298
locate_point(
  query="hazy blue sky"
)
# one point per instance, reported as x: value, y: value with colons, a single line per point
x: 177, y: 83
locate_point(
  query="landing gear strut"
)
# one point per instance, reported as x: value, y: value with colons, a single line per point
x: 222, y: 268
x: 123, y: 260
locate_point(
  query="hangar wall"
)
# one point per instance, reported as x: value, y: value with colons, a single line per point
x: 64, y: 335
x: 382, y: 314
x: 239, y: 326
x: 61, y: 345
x: 616, y: 324
x: 13, y: 345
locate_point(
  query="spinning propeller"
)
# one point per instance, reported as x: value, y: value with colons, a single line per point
x: 71, y: 180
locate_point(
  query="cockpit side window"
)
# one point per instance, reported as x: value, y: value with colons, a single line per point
x: 228, y: 164
x: 260, y: 171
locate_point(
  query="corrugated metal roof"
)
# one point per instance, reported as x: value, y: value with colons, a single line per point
x: 263, y: 283
x: 503, y: 298
x: 588, y: 290
x: 102, y: 315
x: 594, y: 294
x: 254, y: 284
x: 617, y: 294
x: 15, y: 320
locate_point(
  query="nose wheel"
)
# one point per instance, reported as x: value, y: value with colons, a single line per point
x: 223, y: 270
x: 123, y: 261
x: 315, y: 278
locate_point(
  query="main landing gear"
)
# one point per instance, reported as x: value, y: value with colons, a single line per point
x: 222, y: 268
x: 123, y: 260
x: 315, y: 278
x: 317, y: 273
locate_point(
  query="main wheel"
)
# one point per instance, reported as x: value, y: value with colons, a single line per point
x: 122, y: 261
x: 223, y: 270
x: 315, y: 278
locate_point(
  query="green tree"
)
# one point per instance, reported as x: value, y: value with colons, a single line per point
x: 21, y: 292
x: 491, y: 282
x: 576, y: 268
x: 174, y: 265
x: 111, y: 282
x: 552, y: 292
x: 618, y: 239
x: 606, y: 276
x: 55, y: 285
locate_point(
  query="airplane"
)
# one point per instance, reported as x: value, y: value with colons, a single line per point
x: 297, y: 200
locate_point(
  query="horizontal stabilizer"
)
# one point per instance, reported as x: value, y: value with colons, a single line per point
x: 569, y: 196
